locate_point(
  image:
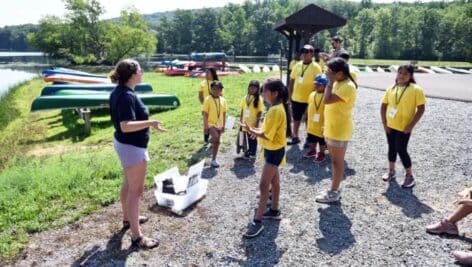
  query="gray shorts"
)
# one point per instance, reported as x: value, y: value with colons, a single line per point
x: 130, y: 155
x: 336, y: 143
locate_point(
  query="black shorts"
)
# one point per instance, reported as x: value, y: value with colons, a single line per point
x: 274, y: 157
x: 298, y: 109
x: 316, y: 139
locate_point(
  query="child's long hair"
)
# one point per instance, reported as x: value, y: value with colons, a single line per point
x: 338, y: 64
x: 276, y: 85
x: 410, y: 69
x: 255, y: 83
x: 214, y: 75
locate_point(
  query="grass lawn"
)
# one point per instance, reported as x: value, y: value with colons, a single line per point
x: 51, y: 174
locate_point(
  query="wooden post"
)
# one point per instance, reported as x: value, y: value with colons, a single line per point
x: 85, y: 114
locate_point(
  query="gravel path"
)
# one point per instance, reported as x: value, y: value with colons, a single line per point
x: 375, y: 224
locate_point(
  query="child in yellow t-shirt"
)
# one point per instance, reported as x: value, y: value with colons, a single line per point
x: 316, y: 120
x: 273, y: 139
x: 204, y: 90
x: 252, y: 106
x: 402, y: 107
x: 214, y: 118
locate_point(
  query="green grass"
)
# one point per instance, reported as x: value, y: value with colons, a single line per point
x: 388, y: 62
x: 76, y: 174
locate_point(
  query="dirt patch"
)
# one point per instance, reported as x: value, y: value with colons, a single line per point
x: 58, y: 150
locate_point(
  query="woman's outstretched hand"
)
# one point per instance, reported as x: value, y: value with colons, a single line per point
x: 157, y: 125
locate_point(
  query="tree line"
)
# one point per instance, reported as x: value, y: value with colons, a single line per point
x: 426, y: 31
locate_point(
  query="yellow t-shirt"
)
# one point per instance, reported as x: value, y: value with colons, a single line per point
x: 205, y: 88
x: 316, y: 109
x: 249, y: 111
x: 274, y: 128
x: 401, y: 104
x: 303, y: 76
x: 216, y: 109
x: 293, y: 63
x: 338, y: 124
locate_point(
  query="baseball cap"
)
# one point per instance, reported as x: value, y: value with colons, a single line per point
x: 321, y: 79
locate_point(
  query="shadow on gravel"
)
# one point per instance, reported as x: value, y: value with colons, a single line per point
x: 319, y: 171
x: 112, y: 253
x: 209, y: 172
x: 411, y: 206
x: 335, y: 227
x: 243, y: 167
x: 261, y: 250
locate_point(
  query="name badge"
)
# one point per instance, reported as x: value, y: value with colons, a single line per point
x: 246, y: 113
x: 316, y: 117
x: 300, y: 79
x: 392, y: 112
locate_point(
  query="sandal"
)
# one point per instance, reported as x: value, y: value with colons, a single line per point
x: 142, y: 219
x: 145, y: 242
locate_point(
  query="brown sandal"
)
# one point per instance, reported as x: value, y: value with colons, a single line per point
x: 145, y: 242
x: 142, y: 219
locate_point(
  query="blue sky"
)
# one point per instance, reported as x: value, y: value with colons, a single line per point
x: 16, y: 12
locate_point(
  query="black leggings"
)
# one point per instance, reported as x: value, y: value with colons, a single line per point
x: 397, y: 144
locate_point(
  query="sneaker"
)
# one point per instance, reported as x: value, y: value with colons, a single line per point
x: 409, y: 182
x: 271, y: 214
x: 254, y: 229
x: 310, y: 154
x: 329, y: 196
x: 320, y: 157
x: 214, y: 164
x: 293, y: 141
x: 389, y: 176
x: 247, y: 154
x: 463, y: 257
x: 443, y: 227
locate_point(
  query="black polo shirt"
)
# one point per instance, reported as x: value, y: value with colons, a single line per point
x: 126, y: 106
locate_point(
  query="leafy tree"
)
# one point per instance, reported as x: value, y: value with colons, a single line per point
x: 130, y: 37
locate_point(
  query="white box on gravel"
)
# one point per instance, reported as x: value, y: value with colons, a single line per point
x: 187, y: 189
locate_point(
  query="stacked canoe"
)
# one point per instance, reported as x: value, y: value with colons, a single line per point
x: 74, y: 90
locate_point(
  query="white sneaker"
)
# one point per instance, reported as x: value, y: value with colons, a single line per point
x: 214, y: 164
x: 329, y: 196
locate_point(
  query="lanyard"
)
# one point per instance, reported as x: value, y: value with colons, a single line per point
x: 303, y: 70
x: 248, y: 101
x: 319, y: 103
x: 218, y: 108
x: 397, y: 100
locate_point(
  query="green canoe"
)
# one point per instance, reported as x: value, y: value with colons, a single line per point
x: 52, y: 89
x: 163, y: 101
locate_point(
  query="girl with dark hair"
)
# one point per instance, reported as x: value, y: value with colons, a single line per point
x: 273, y: 138
x: 339, y: 98
x: 403, y: 104
x: 252, y: 107
x: 214, y: 118
x: 131, y: 121
x: 204, y: 90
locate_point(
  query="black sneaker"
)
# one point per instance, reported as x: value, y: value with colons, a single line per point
x: 271, y: 214
x: 293, y: 141
x: 254, y: 229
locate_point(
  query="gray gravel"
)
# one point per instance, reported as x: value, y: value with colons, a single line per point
x: 376, y: 223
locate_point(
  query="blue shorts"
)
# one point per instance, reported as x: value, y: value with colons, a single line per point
x: 274, y: 157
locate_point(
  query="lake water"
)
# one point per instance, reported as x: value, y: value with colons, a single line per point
x: 17, y: 67
x: 11, y: 77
